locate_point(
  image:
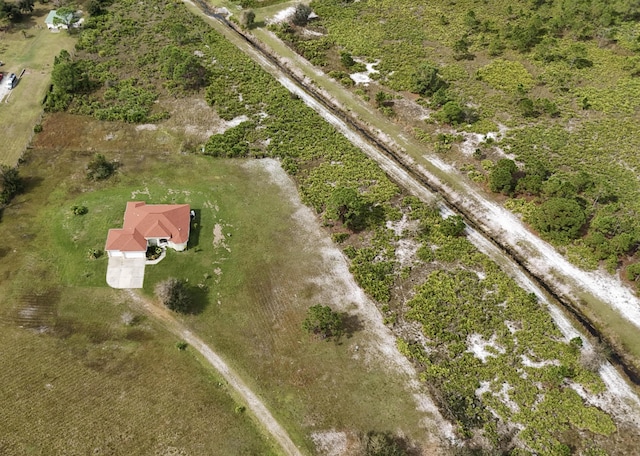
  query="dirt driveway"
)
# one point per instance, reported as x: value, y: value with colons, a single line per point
x: 125, y: 272
x: 253, y: 402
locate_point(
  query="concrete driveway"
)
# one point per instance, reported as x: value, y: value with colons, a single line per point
x: 125, y: 272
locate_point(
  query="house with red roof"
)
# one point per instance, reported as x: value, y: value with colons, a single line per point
x: 164, y: 225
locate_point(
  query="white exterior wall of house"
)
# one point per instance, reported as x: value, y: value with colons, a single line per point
x: 135, y: 254
x: 57, y: 27
x: 164, y: 242
x: 121, y: 254
x: 178, y: 247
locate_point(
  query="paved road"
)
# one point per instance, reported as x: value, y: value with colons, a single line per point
x: 253, y: 402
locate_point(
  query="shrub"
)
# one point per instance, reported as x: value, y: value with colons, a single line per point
x: 100, y: 168
x: 301, y: 14
x: 174, y: 294
x: 561, y: 219
x: 501, y: 177
x: 452, y: 226
x: 182, y: 345
x: 94, y: 254
x: 79, y: 210
x: 426, y: 80
x: 10, y: 184
x: 247, y: 18
x: 37, y: 128
x: 323, y: 321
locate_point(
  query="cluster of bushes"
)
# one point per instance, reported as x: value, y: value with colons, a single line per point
x: 10, y: 184
x: 568, y: 207
x: 14, y: 11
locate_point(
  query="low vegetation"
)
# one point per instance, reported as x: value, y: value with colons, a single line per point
x: 323, y: 321
x: 457, y: 298
x: 174, y: 294
x: 532, y: 69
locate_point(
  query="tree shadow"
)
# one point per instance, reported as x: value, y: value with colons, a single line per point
x: 30, y: 183
x: 351, y: 324
x: 199, y: 299
x: 196, y: 227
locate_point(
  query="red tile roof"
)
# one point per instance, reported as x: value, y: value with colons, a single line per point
x: 142, y: 221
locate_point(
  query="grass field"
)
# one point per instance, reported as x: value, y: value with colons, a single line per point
x: 258, y: 282
x: 83, y: 374
x: 30, y: 46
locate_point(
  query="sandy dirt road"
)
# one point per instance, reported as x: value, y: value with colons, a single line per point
x: 253, y: 402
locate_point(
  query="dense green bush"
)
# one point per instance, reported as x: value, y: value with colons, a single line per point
x: 502, y: 176
x: 559, y: 219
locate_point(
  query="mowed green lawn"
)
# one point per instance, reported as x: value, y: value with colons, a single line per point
x: 32, y: 51
x: 253, y: 285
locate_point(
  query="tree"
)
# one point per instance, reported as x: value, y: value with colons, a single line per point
x: 300, y: 16
x: 426, y: 80
x: 452, y: 226
x: 174, y: 294
x: 247, y: 18
x: 10, y: 184
x: 501, y: 178
x: 633, y: 272
x: 26, y: 6
x: 346, y: 59
x: 66, y: 15
x: 561, y: 219
x: 94, y: 8
x: 323, y: 321
x: 100, y: 168
x: 347, y: 205
x: 451, y: 113
x: 183, y: 69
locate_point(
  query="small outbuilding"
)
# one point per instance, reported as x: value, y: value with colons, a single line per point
x: 61, y: 22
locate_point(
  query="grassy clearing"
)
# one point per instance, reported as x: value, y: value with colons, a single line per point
x: 33, y: 52
x: 86, y: 374
x: 254, y: 295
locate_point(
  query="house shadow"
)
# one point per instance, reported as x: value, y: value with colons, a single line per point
x: 194, y: 230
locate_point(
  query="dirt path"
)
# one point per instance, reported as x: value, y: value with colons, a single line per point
x: 253, y: 402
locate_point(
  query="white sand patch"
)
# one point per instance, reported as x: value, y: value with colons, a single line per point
x: 511, y: 326
x: 404, y: 224
x: 503, y: 395
x: 136, y: 193
x: 146, y: 127
x: 198, y: 53
x: 479, y: 346
x: 219, y: 237
x: 330, y: 443
x: 281, y: 16
x: 471, y: 142
x: 538, y: 364
x: 307, y: 32
x: 364, y: 77
x: 406, y: 251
